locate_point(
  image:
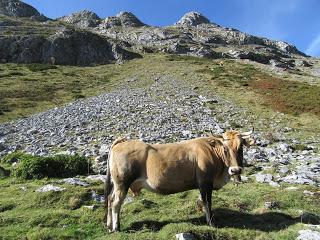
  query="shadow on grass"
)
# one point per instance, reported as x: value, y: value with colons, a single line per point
x: 270, y: 221
x: 154, y: 226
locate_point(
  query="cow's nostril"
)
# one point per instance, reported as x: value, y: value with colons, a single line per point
x: 236, y: 170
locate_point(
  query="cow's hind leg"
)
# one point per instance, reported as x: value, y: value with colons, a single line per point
x: 109, y: 212
x: 206, y: 196
x: 120, y: 192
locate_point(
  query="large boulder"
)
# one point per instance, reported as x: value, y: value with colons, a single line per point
x: 16, y: 8
x: 192, y: 19
x: 82, y: 19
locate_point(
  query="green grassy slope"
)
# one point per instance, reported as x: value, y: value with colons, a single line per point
x: 239, y: 210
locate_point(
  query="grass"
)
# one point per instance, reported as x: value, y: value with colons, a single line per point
x: 287, y: 96
x: 31, y: 88
x: 239, y: 211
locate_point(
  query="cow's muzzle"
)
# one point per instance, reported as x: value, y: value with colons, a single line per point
x: 234, y: 171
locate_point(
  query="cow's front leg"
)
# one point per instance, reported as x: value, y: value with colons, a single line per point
x: 206, y: 196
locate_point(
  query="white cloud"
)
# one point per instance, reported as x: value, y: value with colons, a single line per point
x: 314, y: 47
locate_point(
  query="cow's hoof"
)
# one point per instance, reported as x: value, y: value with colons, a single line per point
x: 212, y: 223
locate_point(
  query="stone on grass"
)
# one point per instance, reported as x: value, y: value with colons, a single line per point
x: 274, y: 184
x: 74, y: 181
x: 96, y: 178
x: 50, y: 187
x: 263, y: 178
x: 96, y: 197
x: 185, y: 236
x: 90, y: 207
x: 308, y: 235
x: 128, y: 200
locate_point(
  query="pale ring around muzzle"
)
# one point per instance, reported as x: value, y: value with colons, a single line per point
x: 235, y: 171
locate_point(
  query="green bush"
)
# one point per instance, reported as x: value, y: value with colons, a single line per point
x: 36, y: 167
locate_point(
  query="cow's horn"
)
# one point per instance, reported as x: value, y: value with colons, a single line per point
x: 247, y: 133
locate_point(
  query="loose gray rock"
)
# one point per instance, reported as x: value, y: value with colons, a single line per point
x: 128, y: 200
x: 185, y: 236
x: 271, y: 205
x: 263, y: 178
x: 308, y: 235
x: 74, y: 181
x: 96, y: 197
x: 50, y: 187
x: 101, y: 178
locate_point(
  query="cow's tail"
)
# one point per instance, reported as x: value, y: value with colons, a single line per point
x: 108, y: 183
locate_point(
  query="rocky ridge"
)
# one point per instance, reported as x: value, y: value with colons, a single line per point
x: 192, y: 35
x: 167, y: 111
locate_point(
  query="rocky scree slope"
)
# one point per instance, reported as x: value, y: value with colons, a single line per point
x: 193, y: 35
x: 168, y: 110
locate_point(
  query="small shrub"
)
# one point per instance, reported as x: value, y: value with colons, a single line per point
x: 36, y: 167
x: 13, y: 157
x: 78, y: 96
x: 6, y: 207
x: 4, y: 172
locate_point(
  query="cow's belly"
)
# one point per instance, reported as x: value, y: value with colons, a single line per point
x: 162, y: 187
x: 167, y: 178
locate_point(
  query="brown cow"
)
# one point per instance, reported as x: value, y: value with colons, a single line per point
x: 205, y: 163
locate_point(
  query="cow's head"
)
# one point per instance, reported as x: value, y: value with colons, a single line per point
x: 233, y: 142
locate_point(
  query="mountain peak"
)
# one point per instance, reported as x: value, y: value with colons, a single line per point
x: 82, y: 19
x: 192, y: 19
x: 128, y: 19
x: 16, y: 8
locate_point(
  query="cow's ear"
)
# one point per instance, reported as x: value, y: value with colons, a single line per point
x: 215, y: 142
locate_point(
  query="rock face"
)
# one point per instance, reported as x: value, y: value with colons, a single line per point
x: 16, y: 8
x: 192, y: 19
x: 82, y: 19
x: 67, y: 46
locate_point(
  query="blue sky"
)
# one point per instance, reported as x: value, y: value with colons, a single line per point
x: 293, y: 21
